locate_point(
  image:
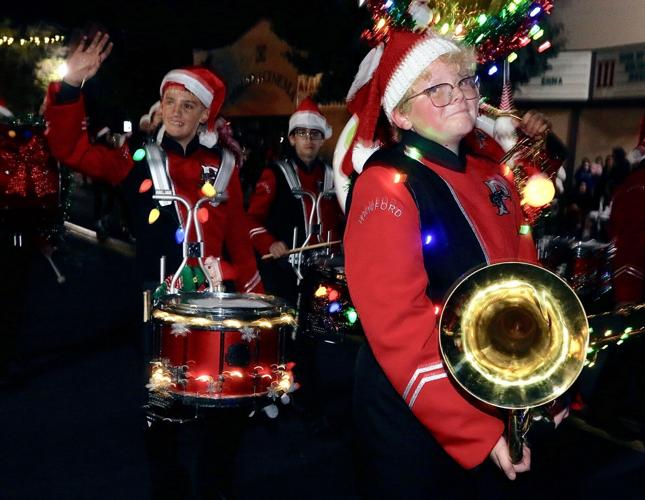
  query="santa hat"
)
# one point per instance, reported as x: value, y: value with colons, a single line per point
x: 4, y: 110
x: 383, y: 78
x: 147, y: 118
x: 207, y: 87
x: 308, y: 115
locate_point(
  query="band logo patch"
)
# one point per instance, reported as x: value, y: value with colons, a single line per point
x: 380, y: 205
x: 209, y: 173
x: 499, y: 193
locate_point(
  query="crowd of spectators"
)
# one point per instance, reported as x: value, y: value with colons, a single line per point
x: 583, y: 208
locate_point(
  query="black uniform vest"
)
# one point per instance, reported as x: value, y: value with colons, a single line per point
x: 286, y: 211
x: 157, y: 239
x: 450, y: 246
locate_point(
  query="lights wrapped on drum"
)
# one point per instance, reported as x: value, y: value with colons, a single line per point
x: 217, y: 350
x: 515, y: 336
x: 326, y: 311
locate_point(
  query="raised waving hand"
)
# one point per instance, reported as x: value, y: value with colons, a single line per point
x: 85, y: 61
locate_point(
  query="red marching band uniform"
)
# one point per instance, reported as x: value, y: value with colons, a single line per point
x: 284, y: 196
x: 264, y: 196
x: 224, y: 226
x: 424, y: 211
x: 404, y: 339
x: 627, y: 228
x: 314, y: 179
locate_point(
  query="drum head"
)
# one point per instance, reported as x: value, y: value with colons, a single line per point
x: 220, y: 305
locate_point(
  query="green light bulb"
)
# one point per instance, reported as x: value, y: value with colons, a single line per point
x: 139, y: 154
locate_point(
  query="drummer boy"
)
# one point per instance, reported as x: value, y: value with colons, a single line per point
x: 190, y: 100
x: 275, y: 209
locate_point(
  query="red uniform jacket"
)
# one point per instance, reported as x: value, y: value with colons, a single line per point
x: 388, y: 283
x: 627, y: 227
x: 226, y: 226
x: 266, y: 220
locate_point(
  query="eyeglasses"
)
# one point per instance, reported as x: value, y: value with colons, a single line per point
x: 314, y: 135
x: 441, y: 95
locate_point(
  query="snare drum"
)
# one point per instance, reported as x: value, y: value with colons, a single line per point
x: 218, y: 350
x: 326, y: 311
x: 590, y: 274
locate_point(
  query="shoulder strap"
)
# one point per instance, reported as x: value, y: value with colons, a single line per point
x: 158, y: 164
x: 328, y: 182
x: 225, y: 171
x: 223, y: 177
x: 290, y: 175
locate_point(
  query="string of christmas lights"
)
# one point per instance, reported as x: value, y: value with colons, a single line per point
x: 614, y: 328
x: 494, y: 33
x: 9, y: 40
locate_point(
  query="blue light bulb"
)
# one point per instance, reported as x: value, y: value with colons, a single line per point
x: 334, y: 307
x: 179, y: 236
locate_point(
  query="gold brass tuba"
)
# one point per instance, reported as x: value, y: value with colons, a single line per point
x: 515, y: 336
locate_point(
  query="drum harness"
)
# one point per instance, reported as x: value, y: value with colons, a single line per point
x: 290, y: 172
x: 165, y: 194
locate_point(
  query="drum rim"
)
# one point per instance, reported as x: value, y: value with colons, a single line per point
x: 277, y: 307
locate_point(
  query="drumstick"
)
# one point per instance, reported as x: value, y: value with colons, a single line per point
x: 300, y: 249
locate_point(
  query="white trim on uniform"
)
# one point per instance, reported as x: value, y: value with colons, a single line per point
x: 257, y: 230
x: 424, y: 381
x: 419, y: 371
x: 631, y: 270
x: 252, y: 283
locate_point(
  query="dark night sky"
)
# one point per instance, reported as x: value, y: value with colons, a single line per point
x: 208, y: 22
x: 150, y: 38
x: 153, y: 36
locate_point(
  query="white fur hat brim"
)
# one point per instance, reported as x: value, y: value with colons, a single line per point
x: 309, y: 119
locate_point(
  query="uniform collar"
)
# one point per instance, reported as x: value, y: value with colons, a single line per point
x: 432, y: 151
x: 171, y: 145
x: 303, y: 166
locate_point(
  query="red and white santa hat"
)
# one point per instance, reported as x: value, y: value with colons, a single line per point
x: 308, y: 115
x: 383, y: 78
x: 207, y: 87
x: 4, y: 110
x: 147, y: 118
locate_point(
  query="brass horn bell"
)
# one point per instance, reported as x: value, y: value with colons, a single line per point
x: 514, y: 335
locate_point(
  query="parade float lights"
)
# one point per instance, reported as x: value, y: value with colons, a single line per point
x: 492, y: 34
